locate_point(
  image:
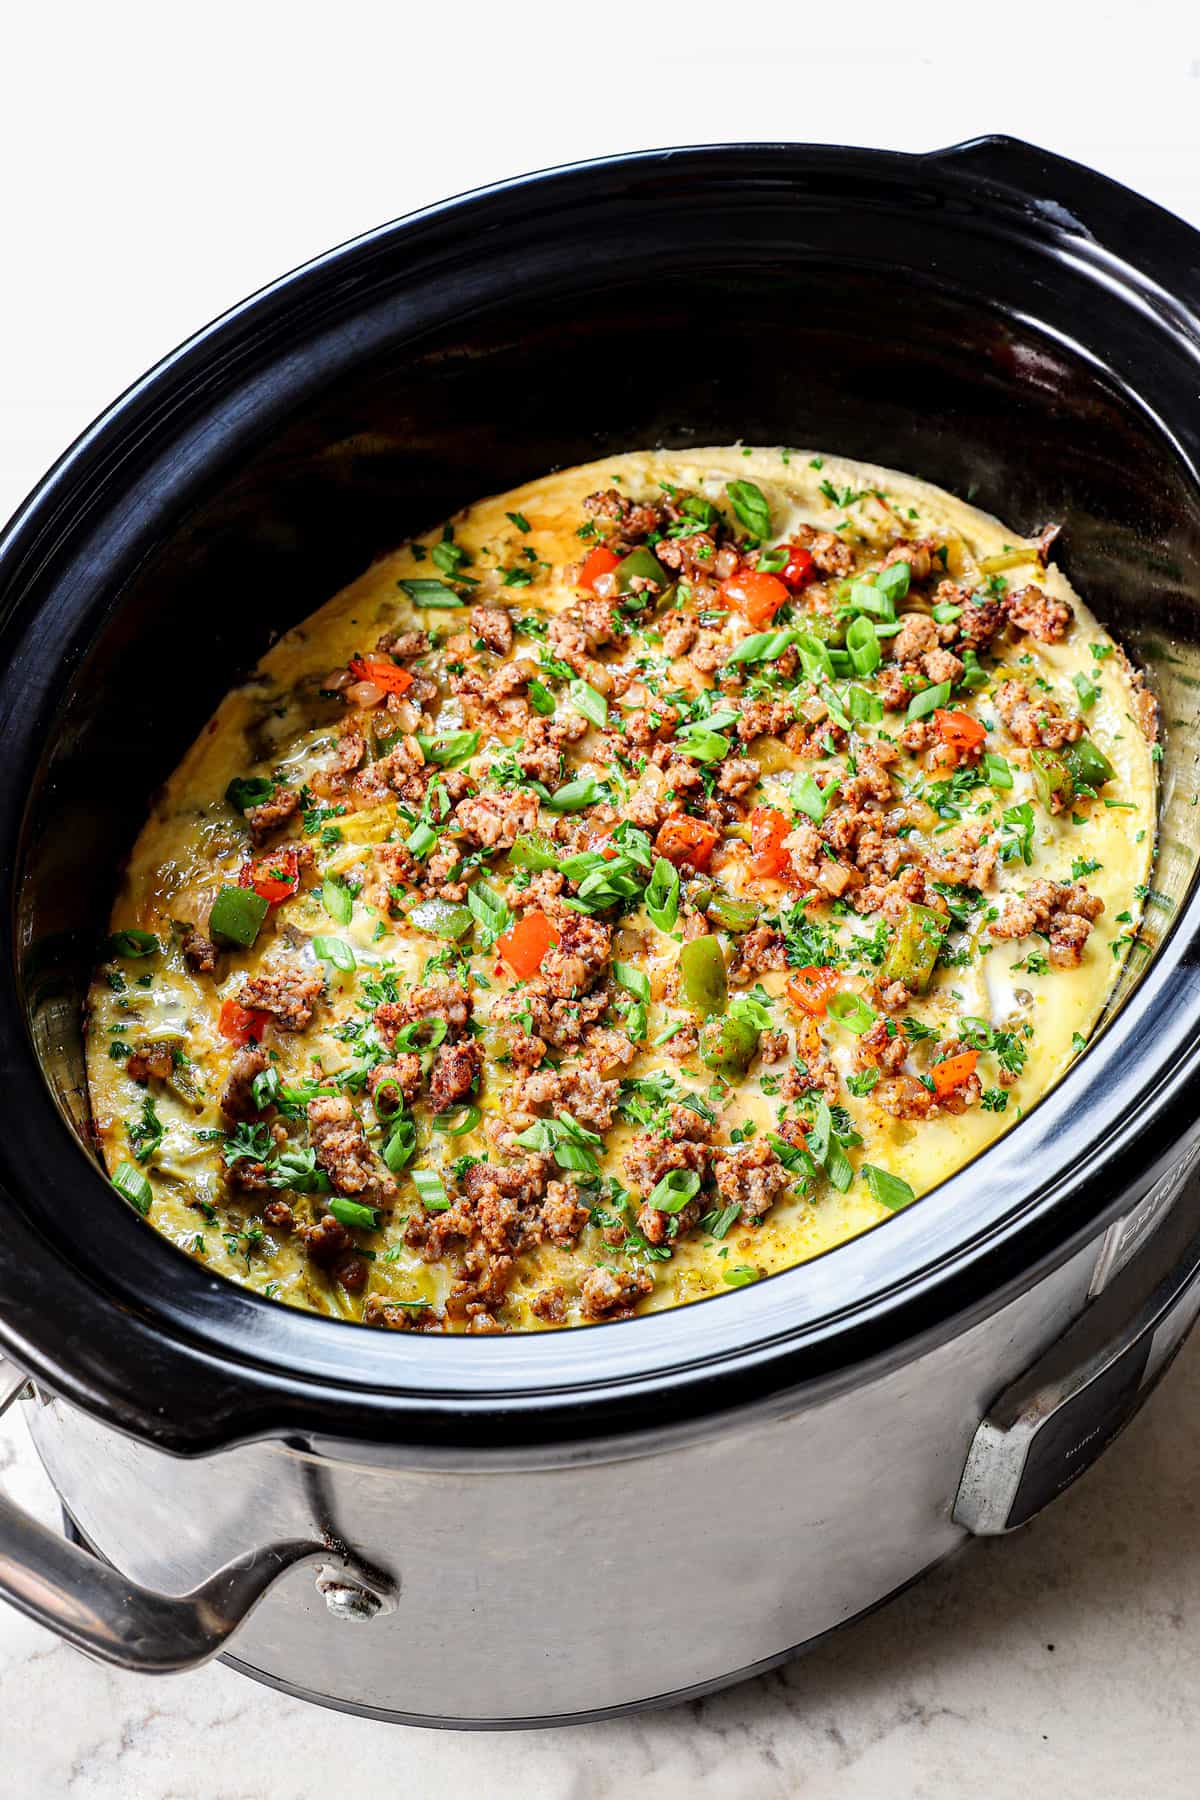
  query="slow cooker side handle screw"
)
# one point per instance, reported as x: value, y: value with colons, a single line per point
x: 94, y: 1607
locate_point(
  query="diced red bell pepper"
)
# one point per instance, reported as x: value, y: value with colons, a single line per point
x: 799, y: 568
x: 275, y: 878
x: 768, y: 829
x: 525, y: 944
x: 684, y: 840
x: 239, y: 1025
x: 756, y: 595
x: 959, y: 732
x: 812, y: 988
x: 953, y: 1071
x: 388, y: 676
x: 600, y: 561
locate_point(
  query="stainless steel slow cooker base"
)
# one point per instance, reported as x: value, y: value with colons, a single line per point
x: 656, y: 1703
x: 579, y: 1584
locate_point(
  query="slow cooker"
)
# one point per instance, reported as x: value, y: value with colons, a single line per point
x: 533, y: 1528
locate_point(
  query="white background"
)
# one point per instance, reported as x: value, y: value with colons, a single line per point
x: 157, y: 164
x: 160, y: 162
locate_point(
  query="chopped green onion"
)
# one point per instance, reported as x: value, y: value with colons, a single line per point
x: 575, y: 795
x: 421, y: 839
x: 336, y: 951
x: 337, y: 900
x: 997, y: 770
x: 427, y: 593
x: 133, y: 1186
x: 741, y: 1276
x: 133, y: 942
x: 866, y: 597
x: 431, y: 1191
x: 1087, y: 690
x: 750, y: 505
x: 672, y: 1193
x: 458, y: 1121
x: 809, y: 798
x: 865, y: 707
x: 762, y: 646
x: 519, y: 520
x: 490, y: 913
x: 448, y: 751
x: 662, y: 895
x: 245, y: 791
x: 863, y: 646
x: 893, y: 582
x: 634, y: 981
x: 889, y: 1190
x: 927, y: 701
x: 449, y: 556
x: 401, y: 1144
x: 588, y: 701
x: 852, y: 1011
x: 814, y: 654
x: 348, y: 1212
x: 945, y: 613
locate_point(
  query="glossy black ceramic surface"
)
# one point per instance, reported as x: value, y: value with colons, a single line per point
x: 999, y: 321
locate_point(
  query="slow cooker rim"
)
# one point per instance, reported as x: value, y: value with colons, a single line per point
x: 25, y: 1333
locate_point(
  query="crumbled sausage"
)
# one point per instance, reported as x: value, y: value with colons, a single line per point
x: 738, y: 775
x: 455, y: 1071
x: 493, y: 624
x: 450, y: 1002
x: 917, y: 634
x: 271, y: 813
x: 1037, y: 721
x: 237, y: 1097
x: 399, y: 1078
x: 287, y: 991
x: 157, y: 1059
x: 343, y: 1152
x: 765, y: 718
x: 613, y: 1293
x: 1033, y: 610
x: 550, y: 1305
x: 563, y: 1215
x: 495, y: 821
x: 325, y: 1240
x: 200, y: 953
x: 578, y: 960
x: 750, y: 1177
x: 1061, y: 911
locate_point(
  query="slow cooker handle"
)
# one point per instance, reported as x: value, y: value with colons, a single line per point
x: 98, y: 1610
x: 1057, y: 1418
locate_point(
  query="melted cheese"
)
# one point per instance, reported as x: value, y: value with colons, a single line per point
x: 193, y: 844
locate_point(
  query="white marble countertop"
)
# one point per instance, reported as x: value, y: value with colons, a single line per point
x: 161, y: 165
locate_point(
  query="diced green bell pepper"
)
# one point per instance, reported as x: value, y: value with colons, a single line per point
x: 731, y: 914
x: 237, y: 916
x: 914, y: 948
x: 1052, y: 780
x: 728, y: 1045
x: 1089, y: 767
x: 702, y: 975
x: 442, y: 919
x: 640, y: 563
x: 534, y: 850
x: 826, y: 626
